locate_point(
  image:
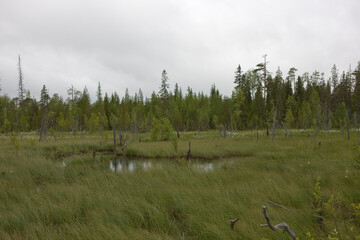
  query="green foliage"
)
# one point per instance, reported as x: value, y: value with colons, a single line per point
x: 356, y: 156
x: 174, y: 142
x: 289, y: 118
x: 42, y: 198
x: 161, y: 129
x: 97, y: 122
x: 7, y: 126
x: 15, y: 142
x: 317, y: 194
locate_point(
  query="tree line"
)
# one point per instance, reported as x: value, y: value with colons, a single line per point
x: 258, y: 100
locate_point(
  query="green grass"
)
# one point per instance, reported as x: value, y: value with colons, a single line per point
x: 40, y: 199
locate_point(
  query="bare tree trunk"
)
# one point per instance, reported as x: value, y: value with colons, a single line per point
x: 74, y: 127
x: 273, y: 126
x: 327, y: 127
x: 355, y: 120
x: 347, y: 123
x: 82, y: 132
x: 114, y: 131
x: 287, y: 132
x: 316, y: 132
x: 257, y: 132
x: 356, y: 128
x: 225, y: 130
x: 43, y: 128
x: 120, y: 140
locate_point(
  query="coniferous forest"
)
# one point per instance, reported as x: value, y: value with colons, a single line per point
x: 292, y: 99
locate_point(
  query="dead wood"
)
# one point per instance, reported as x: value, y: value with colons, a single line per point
x: 273, y: 126
x: 287, y: 132
x: 282, y: 225
x: 232, y: 223
x: 288, y: 209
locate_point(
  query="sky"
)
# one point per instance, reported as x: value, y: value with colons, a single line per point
x: 128, y: 43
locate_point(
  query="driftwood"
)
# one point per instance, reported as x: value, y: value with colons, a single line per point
x: 232, y: 223
x: 282, y: 225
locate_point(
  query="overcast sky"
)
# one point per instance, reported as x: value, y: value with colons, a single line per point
x: 126, y: 44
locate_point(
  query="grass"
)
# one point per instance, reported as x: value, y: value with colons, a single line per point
x: 41, y: 199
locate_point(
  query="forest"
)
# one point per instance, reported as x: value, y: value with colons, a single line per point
x: 259, y: 98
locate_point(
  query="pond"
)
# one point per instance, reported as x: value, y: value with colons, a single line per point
x: 130, y: 165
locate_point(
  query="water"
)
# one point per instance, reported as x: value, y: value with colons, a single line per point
x: 131, y: 165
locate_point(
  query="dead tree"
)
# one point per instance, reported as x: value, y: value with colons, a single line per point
x: 188, y: 155
x: 347, y: 123
x: 273, y: 126
x: 114, y: 130
x: 282, y: 225
x: 356, y: 128
x: 287, y: 132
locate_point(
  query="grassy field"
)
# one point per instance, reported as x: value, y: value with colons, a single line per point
x: 57, y: 190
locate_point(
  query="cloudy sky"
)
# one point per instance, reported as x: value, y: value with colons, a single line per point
x: 127, y: 43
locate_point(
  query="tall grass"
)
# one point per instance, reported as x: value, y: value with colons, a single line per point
x: 41, y: 199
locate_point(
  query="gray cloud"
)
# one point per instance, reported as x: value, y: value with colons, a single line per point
x: 126, y: 44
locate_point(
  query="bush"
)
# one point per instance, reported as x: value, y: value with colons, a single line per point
x: 161, y: 129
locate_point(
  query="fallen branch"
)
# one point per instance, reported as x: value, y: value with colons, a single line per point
x: 277, y: 205
x: 281, y: 206
x: 282, y: 225
x: 232, y: 223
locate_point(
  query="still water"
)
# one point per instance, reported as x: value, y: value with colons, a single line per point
x: 131, y: 165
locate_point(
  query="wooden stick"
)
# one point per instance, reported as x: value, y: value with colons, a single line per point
x: 282, y: 225
x: 232, y: 223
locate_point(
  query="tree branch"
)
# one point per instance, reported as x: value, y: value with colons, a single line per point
x: 282, y: 225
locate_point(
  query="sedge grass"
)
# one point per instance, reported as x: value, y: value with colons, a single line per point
x: 40, y: 199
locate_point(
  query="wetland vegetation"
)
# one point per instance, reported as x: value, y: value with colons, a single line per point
x: 58, y: 190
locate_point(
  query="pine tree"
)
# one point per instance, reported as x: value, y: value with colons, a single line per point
x: 291, y: 76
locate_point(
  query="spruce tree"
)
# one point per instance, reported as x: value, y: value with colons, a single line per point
x: 44, y: 102
x: 164, y: 92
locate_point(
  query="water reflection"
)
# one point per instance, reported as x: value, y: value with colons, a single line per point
x: 205, y: 166
x: 131, y: 165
